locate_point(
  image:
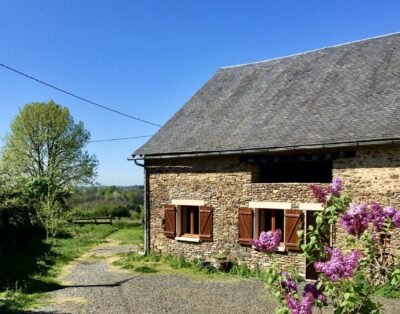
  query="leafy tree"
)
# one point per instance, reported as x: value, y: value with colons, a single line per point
x: 44, y: 155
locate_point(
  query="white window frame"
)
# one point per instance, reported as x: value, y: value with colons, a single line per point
x: 257, y: 206
x: 179, y: 203
x: 314, y: 207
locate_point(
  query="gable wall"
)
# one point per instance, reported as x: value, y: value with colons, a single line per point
x: 225, y: 184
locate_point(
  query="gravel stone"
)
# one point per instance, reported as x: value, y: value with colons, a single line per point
x: 95, y: 287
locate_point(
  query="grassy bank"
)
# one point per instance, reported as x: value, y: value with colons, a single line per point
x: 32, y: 270
x: 166, y: 264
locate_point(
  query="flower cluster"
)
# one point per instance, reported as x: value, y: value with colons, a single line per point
x: 334, y: 188
x: 300, y: 307
x: 268, y: 241
x: 338, y: 266
x: 355, y: 220
x: 288, y: 284
x: 378, y: 215
x: 317, y: 293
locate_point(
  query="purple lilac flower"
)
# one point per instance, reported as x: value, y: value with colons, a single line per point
x: 396, y: 219
x: 389, y: 211
x: 268, y: 241
x: 300, y: 307
x: 317, y: 293
x: 355, y: 220
x: 339, y: 266
x: 318, y: 192
x: 288, y: 283
x: 334, y: 188
x: 378, y: 215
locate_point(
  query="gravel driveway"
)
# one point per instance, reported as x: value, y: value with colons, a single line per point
x: 92, y: 285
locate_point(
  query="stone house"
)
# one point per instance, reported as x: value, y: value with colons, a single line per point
x: 238, y: 157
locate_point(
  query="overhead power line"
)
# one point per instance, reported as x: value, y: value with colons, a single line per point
x: 119, y: 139
x: 76, y: 96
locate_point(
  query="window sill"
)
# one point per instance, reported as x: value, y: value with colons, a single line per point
x: 187, y: 239
x: 281, y: 249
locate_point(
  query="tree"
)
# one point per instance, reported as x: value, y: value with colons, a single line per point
x: 45, y: 154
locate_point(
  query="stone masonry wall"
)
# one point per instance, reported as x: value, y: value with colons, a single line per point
x: 225, y: 183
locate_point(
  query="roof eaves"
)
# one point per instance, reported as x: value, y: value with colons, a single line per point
x: 269, y: 150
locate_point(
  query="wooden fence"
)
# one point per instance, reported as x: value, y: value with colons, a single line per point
x: 96, y: 220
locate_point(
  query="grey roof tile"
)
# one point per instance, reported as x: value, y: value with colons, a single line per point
x: 337, y: 94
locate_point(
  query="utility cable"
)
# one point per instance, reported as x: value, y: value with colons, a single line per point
x: 119, y: 139
x: 76, y: 96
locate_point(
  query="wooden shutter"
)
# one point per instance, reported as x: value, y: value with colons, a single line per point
x: 293, y: 223
x: 206, y: 223
x: 169, y: 221
x: 245, y: 225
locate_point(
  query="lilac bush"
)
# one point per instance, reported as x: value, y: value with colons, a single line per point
x: 268, y: 241
x: 346, y: 278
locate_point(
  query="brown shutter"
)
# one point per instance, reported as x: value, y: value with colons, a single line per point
x: 169, y: 221
x: 293, y: 223
x: 245, y: 225
x: 206, y: 223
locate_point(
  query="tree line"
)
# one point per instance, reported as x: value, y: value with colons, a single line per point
x: 117, y: 202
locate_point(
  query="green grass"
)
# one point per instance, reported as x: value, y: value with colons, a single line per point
x: 166, y: 264
x: 32, y: 269
x: 129, y: 235
x: 388, y: 291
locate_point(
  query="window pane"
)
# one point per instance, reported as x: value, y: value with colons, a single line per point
x: 196, y: 220
x: 279, y: 221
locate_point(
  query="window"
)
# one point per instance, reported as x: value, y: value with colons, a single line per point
x: 190, y: 221
x: 271, y: 219
x: 302, y: 172
x: 270, y: 216
x: 306, y: 167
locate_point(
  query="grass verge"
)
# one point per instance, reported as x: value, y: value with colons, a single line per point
x: 166, y: 264
x: 32, y: 270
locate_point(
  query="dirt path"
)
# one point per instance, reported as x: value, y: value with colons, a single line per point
x: 92, y: 285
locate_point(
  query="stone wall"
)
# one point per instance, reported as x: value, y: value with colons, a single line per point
x: 225, y: 183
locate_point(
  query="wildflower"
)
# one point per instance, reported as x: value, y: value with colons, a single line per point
x: 355, y: 220
x: 339, y: 266
x: 268, y: 241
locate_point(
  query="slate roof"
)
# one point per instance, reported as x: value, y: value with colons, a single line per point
x: 345, y: 93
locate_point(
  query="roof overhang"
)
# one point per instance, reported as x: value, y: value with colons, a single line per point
x: 269, y: 149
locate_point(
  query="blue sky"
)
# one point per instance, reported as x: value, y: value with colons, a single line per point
x: 147, y: 58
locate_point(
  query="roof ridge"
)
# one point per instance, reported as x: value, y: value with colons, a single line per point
x: 309, y: 51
